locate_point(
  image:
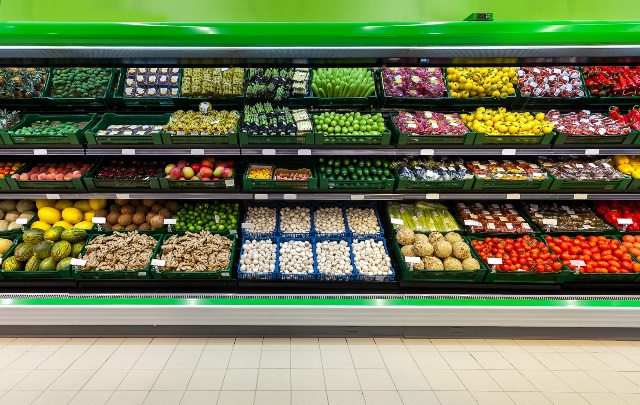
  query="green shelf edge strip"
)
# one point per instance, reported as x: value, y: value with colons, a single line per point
x: 312, y: 34
x: 351, y: 302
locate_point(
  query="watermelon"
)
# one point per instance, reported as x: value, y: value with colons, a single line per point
x: 48, y: 264
x: 43, y: 249
x: 33, y: 264
x: 54, y: 234
x: 77, y: 248
x: 60, y: 250
x: 74, y: 235
x: 64, y: 263
x: 33, y: 236
x: 12, y: 264
x: 23, y: 252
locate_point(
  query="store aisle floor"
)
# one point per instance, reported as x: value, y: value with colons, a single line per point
x: 228, y: 371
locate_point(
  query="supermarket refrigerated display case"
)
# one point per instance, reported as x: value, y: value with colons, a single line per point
x: 405, y: 308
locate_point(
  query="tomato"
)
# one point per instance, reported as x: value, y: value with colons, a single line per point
x: 574, y: 250
x: 626, y: 266
x: 556, y: 266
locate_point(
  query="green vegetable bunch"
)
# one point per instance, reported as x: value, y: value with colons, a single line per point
x: 342, y: 82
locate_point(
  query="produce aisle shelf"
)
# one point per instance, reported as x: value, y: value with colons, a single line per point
x: 132, y: 150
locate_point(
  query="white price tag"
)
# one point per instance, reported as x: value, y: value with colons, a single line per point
x: 550, y: 221
x: 625, y: 221
x: 170, y: 221
x: 52, y: 196
x: 39, y: 151
x: 592, y: 151
x: 158, y: 262
x: 513, y: 196
x: 508, y: 152
x: 22, y: 221
x: 261, y: 196
x: 142, y: 273
x: 0, y: 260
x: 123, y: 197
x: 99, y: 220
x: 577, y: 263
x: 427, y: 152
x: 397, y: 221
x: 78, y: 262
x: 290, y: 196
x: 216, y: 218
x: 494, y: 260
x: 580, y: 196
x: 248, y: 225
x: 268, y: 152
x: 432, y: 196
x: 471, y: 222
x: 230, y: 183
x: 128, y: 151
x: 412, y: 259
x: 233, y: 232
x: 304, y: 152
x: 225, y: 274
x: 357, y: 197
x: 198, y: 152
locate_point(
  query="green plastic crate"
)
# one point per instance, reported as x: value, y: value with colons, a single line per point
x: 144, y: 273
x: 291, y: 164
x: 515, y: 185
x: 94, y: 184
x: 38, y: 101
x: 73, y: 184
x: 515, y: 141
x: 30, y: 275
x: 411, y: 102
x: 123, y: 101
x: 208, y: 140
x: 293, y: 101
x: 13, y: 238
x: 185, y: 102
x: 383, y: 184
x: 573, y: 185
x: 248, y: 139
x: 226, y: 274
x: 75, y: 138
x: 350, y: 139
x: 344, y: 102
x: 464, y: 276
x: 218, y: 185
x: 103, y: 101
x: 406, y: 140
x: 441, y: 185
x: 93, y: 138
x: 563, y: 138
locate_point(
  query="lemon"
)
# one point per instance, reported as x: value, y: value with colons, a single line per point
x: 72, y: 215
x: 49, y: 215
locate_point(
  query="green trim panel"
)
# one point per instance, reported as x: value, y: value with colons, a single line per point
x: 388, y: 34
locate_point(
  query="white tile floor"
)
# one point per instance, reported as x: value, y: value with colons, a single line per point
x: 118, y: 371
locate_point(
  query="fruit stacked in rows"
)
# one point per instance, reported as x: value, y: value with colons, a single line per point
x: 352, y: 123
x: 205, y: 121
x: 49, y: 128
x: 587, y: 123
x: 579, y: 168
x: 9, y: 168
x: 54, y: 171
x: 607, y: 81
x: 417, y: 82
x: 22, y: 82
x: 134, y: 215
x: 503, y: 122
x: 264, y: 119
x: 632, y: 244
x: 436, y: 251
x: 152, y: 82
x: 524, y: 253
x: 342, y: 82
x: 422, y: 217
x: 8, y: 119
x: 80, y: 82
x: 212, y: 82
x: 599, y: 254
x: 67, y: 214
x: 550, y: 81
x: 628, y: 165
x: 130, y: 170
x: 207, y: 216
x: 356, y: 169
x: 482, y: 82
x: 46, y: 251
x: 209, y: 168
x: 556, y: 217
x: 276, y: 84
x: 506, y: 169
x: 429, y: 123
x: 623, y: 215
x: 12, y: 210
x: 479, y: 217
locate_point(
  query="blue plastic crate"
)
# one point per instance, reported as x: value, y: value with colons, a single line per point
x: 250, y: 233
x: 364, y: 235
x: 334, y: 277
x: 364, y: 277
x: 309, y: 234
x: 243, y: 275
x: 302, y: 277
x: 318, y: 234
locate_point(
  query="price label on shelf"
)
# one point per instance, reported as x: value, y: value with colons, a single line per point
x: 78, y: 262
x: 233, y: 232
x: 290, y: 196
x: 123, y: 197
x: 22, y: 221
x: 248, y: 225
x: 412, y: 259
x: 427, y: 152
x: 170, y: 221
x: 99, y: 220
x: 39, y: 152
x: 550, y: 221
x: 397, y: 221
x: 577, y: 263
x: 591, y: 152
x: 158, y: 262
x: 230, y: 183
x: 304, y: 152
x: 198, y: 152
x: 261, y: 196
x: 513, y: 196
x: 471, y: 222
x: 580, y: 196
x: 493, y: 261
x: 268, y: 152
x: 142, y: 274
x: 432, y: 196
x: 52, y: 196
x: 625, y: 221
x: 128, y: 151
x: 509, y: 152
x: 357, y: 197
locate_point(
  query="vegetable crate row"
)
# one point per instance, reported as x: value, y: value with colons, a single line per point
x: 315, y: 259
x: 334, y: 220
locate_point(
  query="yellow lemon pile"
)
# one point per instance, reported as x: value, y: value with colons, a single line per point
x: 482, y: 82
x: 503, y: 122
x: 628, y: 165
x: 66, y: 213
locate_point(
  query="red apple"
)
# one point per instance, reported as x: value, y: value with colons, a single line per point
x: 181, y: 164
x: 196, y: 167
x: 187, y: 172
x: 195, y: 178
x: 207, y: 163
x: 205, y: 172
x: 168, y: 168
x: 227, y: 172
x: 175, y: 173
